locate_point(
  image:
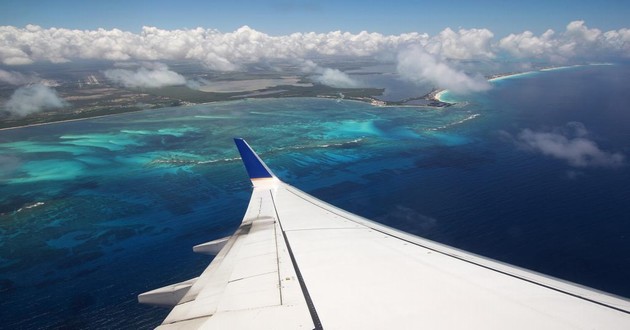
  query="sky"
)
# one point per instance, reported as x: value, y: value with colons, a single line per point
x: 279, y: 17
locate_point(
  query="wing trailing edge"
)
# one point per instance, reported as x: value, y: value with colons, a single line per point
x: 211, y: 248
x: 167, y: 296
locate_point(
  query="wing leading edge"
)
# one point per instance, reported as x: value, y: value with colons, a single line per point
x: 298, y: 262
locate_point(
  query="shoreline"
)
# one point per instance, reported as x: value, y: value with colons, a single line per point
x: 368, y: 100
x: 436, y: 95
x: 498, y: 77
x: 65, y: 120
x: 502, y: 76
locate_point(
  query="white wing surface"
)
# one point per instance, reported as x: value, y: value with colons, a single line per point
x: 299, y: 263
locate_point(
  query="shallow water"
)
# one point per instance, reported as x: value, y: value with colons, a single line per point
x: 95, y: 212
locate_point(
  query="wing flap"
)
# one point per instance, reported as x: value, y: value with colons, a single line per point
x: 167, y: 296
x: 188, y: 324
x: 211, y: 248
x: 284, y: 317
x: 252, y: 272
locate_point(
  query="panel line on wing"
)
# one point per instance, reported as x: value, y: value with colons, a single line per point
x: 326, y: 228
x: 252, y: 276
x: 275, y: 235
x: 309, y: 302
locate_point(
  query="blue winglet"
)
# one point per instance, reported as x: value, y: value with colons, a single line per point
x: 256, y: 168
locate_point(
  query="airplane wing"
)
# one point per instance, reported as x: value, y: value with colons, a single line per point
x: 297, y: 262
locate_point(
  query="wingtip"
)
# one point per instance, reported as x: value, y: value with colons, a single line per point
x: 256, y: 168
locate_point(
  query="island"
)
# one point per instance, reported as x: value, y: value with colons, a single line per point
x: 94, y: 96
x: 89, y: 93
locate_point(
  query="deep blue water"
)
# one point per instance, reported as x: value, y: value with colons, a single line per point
x: 95, y: 212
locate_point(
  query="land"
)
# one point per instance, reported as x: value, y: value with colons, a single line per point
x: 430, y: 99
x: 91, y: 101
x: 88, y: 93
x: 435, y: 94
x: 92, y: 95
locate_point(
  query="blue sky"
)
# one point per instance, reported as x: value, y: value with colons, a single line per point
x: 284, y: 17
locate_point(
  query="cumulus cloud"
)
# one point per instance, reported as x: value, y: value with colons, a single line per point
x: 526, y: 44
x: 228, y: 51
x: 462, y: 45
x: 336, y: 78
x: 570, y: 144
x: 34, y: 98
x: 215, y: 49
x: 577, y: 42
x: 418, y: 66
x: 16, y: 78
x: 225, y: 51
x: 149, y: 75
x: 327, y: 76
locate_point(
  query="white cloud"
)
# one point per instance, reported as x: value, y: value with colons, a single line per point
x: 34, y: 98
x: 16, y: 78
x: 463, y: 44
x: 528, y: 45
x: 216, y: 50
x: 570, y: 144
x: 244, y: 46
x: 328, y: 76
x: 336, y: 78
x: 150, y: 75
x: 419, y: 66
x: 222, y: 51
x: 578, y: 31
x: 309, y: 66
x: 577, y: 42
x: 619, y: 39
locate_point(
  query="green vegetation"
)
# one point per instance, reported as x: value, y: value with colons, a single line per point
x: 186, y: 94
x: 102, y: 98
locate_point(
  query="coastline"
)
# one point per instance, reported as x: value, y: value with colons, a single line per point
x: 68, y: 120
x: 502, y: 76
x: 366, y: 100
x: 437, y: 96
x: 493, y: 78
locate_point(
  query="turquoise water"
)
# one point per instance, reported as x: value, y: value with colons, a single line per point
x: 96, y: 211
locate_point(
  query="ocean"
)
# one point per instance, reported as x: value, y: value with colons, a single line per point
x: 534, y: 172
